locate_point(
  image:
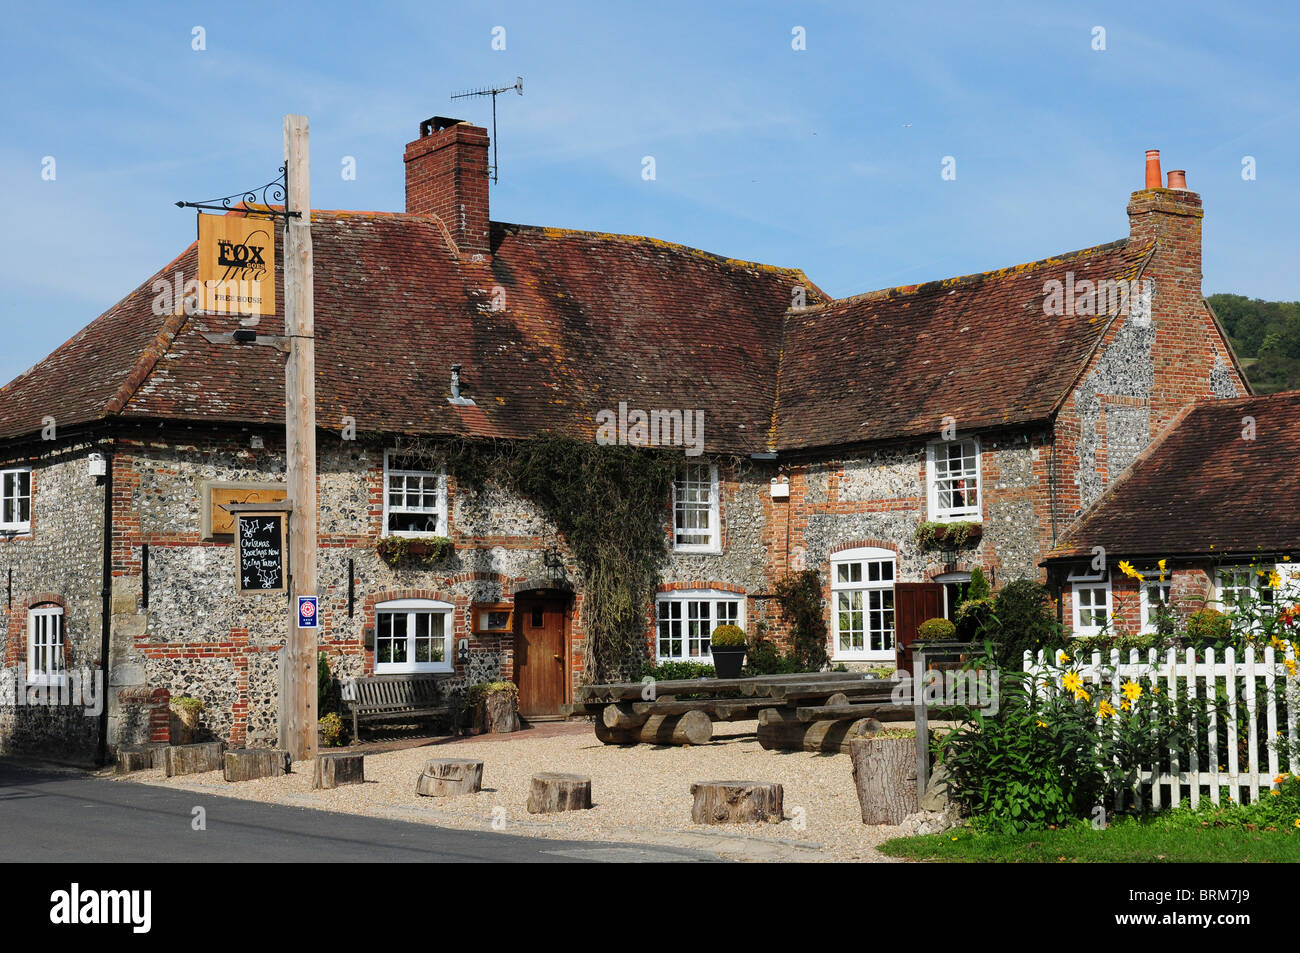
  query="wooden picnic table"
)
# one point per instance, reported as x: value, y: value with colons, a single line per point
x: 624, y: 715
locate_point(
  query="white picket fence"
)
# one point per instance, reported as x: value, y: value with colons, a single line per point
x: 1248, y: 683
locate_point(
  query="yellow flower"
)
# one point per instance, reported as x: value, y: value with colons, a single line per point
x: 1161, y: 564
x: 1043, y: 724
x: 1127, y: 569
x: 1279, y: 779
x: 1297, y: 822
x: 1072, y: 682
x: 1126, y: 705
x: 1290, y: 666
x: 1274, y: 580
x: 1082, y: 696
x: 1132, y: 691
x: 1105, y: 709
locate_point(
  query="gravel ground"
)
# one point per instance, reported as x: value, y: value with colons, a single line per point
x: 640, y: 794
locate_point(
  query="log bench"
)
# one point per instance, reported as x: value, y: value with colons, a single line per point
x: 337, y: 768
x: 249, y: 764
x: 409, y: 697
x: 445, y: 777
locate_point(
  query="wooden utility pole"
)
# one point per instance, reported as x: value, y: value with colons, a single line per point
x: 298, y: 665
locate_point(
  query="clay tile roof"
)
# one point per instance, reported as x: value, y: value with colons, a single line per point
x: 589, y: 320
x: 1203, y: 489
x: 894, y: 363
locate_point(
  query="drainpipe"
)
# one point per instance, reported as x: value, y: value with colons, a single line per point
x: 106, y: 609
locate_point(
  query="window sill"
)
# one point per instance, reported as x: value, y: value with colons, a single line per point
x: 413, y: 668
x: 697, y: 549
x: 957, y: 518
x: 49, y: 681
x: 886, y: 656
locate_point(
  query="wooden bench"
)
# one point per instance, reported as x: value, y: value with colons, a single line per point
x: 394, y: 698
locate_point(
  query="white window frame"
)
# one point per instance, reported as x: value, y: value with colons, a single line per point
x: 677, y: 606
x: 410, y: 608
x: 938, y: 514
x: 9, y: 477
x: 1079, y: 581
x: 1264, y: 593
x: 1152, y: 578
x: 40, y: 619
x: 863, y: 557
x: 714, y: 542
x: 439, y: 509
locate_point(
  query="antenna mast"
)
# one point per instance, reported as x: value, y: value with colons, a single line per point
x: 518, y: 87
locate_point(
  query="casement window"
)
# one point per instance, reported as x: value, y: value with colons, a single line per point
x: 1154, y: 599
x: 685, y: 620
x: 46, y: 661
x: 953, y: 479
x: 862, y: 593
x: 696, y: 526
x: 1092, y: 604
x: 413, y: 635
x: 1242, y: 585
x: 415, y: 501
x: 16, y: 500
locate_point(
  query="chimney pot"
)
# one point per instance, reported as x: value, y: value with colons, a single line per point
x: 1153, y: 169
x: 1178, y: 179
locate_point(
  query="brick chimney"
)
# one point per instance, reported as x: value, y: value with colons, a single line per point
x: 447, y: 176
x: 1171, y: 218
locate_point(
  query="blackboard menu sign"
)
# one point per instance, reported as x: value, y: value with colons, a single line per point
x: 260, y: 545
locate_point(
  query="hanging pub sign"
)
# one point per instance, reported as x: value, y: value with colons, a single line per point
x: 237, y: 264
x: 260, y: 548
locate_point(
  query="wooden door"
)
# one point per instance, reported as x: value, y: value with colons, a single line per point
x: 914, y: 603
x: 541, y: 671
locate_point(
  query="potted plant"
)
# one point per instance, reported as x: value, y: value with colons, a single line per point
x: 728, y: 650
x: 418, y: 550
x: 185, y: 712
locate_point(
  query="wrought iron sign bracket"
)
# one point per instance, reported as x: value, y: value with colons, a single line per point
x: 275, y: 191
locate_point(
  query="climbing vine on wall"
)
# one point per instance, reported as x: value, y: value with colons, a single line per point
x: 611, y: 506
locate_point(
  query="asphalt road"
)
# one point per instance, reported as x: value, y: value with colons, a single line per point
x: 55, y: 815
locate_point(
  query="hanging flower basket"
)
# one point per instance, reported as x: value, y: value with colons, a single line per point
x: 948, y: 535
x: 417, y: 550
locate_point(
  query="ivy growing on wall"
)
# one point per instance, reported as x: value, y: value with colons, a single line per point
x: 609, y: 503
x: 799, y: 595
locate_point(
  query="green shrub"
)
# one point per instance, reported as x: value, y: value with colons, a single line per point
x: 728, y: 636
x: 1209, y: 628
x: 799, y: 595
x: 935, y: 630
x: 330, y: 729
x: 324, y: 681
x: 1021, y: 620
x: 671, y: 671
x: 972, y: 615
x: 979, y: 585
x: 186, y: 703
x: 766, y: 658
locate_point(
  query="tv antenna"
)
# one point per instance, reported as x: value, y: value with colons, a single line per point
x: 518, y: 87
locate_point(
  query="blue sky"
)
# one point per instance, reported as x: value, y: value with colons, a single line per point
x: 826, y: 158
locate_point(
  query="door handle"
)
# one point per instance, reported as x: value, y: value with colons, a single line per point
x: 558, y: 658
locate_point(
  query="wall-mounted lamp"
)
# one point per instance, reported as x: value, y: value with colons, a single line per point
x: 98, y: 467
x: 554, y: 563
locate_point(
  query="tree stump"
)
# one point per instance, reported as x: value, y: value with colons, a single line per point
x: 248, y: 764
x: 691, y: 728
x: 331, y: 770
x: 192, y: 759
x: 552, y: 793
x: 498, y: 712
x: 139, y: 757
x: 884, y: 770
x: 443, y: 777
x: 736, y: 802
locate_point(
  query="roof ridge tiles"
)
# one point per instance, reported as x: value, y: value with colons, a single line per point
x: 959, y: 280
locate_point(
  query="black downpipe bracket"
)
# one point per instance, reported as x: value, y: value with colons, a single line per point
x: 106, y: 616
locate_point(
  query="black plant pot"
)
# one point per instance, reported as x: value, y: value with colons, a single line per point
x: 727, y: 660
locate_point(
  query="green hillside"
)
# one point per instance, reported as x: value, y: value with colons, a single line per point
x: 1266, y: 337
